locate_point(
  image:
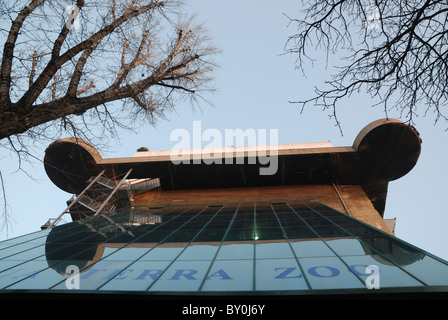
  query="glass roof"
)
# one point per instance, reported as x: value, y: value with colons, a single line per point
x: 276, y: 247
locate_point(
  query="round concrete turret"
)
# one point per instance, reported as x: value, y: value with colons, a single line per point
x: 387, y: 149
x: 70, y: 162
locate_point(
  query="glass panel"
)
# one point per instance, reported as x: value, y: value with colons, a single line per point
x: 36, y: 237
x: 29, y: 254
x: 348, y: 246
x: 281, y: 245
x: 329, y: 273
x: 298, y: 232
x: 216, y: 229
x: 126, y: 253
x: 199, y: 252
x: 273, y: 250
x: 387, y: 245
x: 99, y: 273
x: 427, y: 269
x: 162, y: 252
x: 139, y: 276
x: 14, y: 252
x: 242, y: 228
x: 230, y: 251
x: 31, y: 275
x: 14, y: 271
x: 230, y: 275
x: 329, y: 230
x: 182, y: 276
x: 311, y: 248
x: 389, y: 274
x: 279, y: 274
x: 7, y: 265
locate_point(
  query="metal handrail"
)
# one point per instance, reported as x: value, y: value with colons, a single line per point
x: 76, y: 200
x: 112, y: 193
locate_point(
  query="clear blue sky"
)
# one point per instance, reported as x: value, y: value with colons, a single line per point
x: 255, y: 83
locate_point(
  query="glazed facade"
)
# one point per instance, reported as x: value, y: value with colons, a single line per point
x: 292, y: 247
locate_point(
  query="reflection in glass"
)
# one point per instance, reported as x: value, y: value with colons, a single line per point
x: 329, y: 273
x: 279, y: 274
x: 390, y: 275
x: 230, y: 275
x: 276, y: 246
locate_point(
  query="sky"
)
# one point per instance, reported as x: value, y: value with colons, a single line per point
x: 255, y: 83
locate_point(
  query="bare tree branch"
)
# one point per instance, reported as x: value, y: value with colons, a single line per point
x: 8, y: 52
x: 127, y: 62
x: 183, y: 66
x: 5, y: 216
x: 398, y: 54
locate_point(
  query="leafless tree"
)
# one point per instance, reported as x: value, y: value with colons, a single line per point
x: 86, y: 67
x: 396, y: 51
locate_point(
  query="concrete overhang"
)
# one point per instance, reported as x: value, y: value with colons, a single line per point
x: 383, y: 151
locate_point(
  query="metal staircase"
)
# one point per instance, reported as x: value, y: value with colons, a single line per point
x: 93, y: 204
x: 105, y: 195
x: 109, y: 183
x: 96, y: 197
